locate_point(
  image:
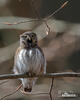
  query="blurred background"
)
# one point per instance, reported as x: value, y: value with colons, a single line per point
x: 61, y: 46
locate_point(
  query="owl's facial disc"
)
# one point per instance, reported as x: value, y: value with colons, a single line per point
x: 25, y: 39
x: 29, y: 39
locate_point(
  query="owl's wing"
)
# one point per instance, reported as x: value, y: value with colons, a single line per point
x: 43, y: 67
x: 43, y: 62
x: 15, y: 68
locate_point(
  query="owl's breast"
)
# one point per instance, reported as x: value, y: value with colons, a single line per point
x: 29, y: 60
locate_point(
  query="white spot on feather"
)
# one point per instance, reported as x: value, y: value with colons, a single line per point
x: 21, y: 53
x: 30, y: 53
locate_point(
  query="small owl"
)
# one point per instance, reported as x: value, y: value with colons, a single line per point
x: 29, y: 58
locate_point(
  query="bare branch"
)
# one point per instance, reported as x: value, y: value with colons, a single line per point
x: 4, y: 82
x: 34, y: 93
x: 48, y: 28
x: 47, y: 75
x: 20, y: 22
x: 39, y: 19
x: 62, y: 6
x: 50, y: 92
x: 35, y: 9
x: 12, y: 92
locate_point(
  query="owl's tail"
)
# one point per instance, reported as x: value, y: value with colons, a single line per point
x: 28, y: 84
x: 28, y: 89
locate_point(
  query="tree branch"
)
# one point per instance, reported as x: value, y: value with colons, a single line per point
x: 47, y: 75
x: 50, y: 92
x: 12, y: 92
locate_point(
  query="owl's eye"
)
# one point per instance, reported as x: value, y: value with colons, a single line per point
x: 32, y: 35
x: 24, y: 36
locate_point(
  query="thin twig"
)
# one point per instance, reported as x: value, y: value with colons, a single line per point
x: 50, y: 92
x: 39, y: 19
x: 56, y: 11
x: 48, y: 27
x: 45, y: 19
x: 5, y: 81
x: 12, y: 92
x: 20, y: 22
x: 34, y: 93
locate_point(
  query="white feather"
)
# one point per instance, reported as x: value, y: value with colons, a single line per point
x: 30, y: 60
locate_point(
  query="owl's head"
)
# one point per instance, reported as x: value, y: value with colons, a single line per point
x: 28, y: 39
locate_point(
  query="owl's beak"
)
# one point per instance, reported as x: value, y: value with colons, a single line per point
x: 28, y: 37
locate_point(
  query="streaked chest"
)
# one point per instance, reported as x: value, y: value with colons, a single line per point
x: 29, y: 54
x: 30, y: 59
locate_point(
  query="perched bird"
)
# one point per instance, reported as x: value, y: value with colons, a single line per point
x: 29, y: 58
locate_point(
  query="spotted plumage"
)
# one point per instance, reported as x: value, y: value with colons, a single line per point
x: 29, y: 58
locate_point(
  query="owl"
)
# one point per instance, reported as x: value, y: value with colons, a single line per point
x: 29, y: 58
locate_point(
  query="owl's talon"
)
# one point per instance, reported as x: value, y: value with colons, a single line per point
x: 33, y: 74
x: 30, y: 74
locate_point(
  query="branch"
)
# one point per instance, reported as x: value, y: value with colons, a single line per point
x: 12, y: 92
x: 50, y: 92
x: 20, y: 22
x: 47, y: 75
x: 1, y: 83
x: 62, y: 6
x: 39, y: 19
